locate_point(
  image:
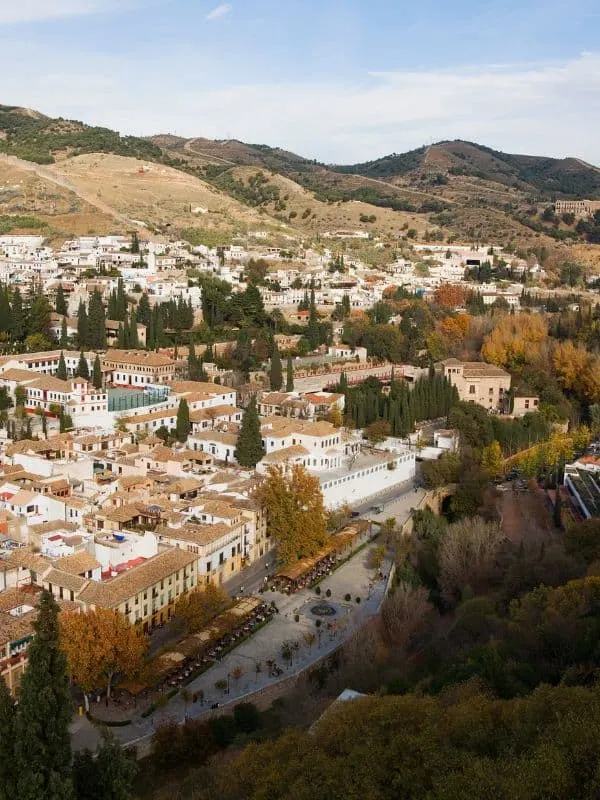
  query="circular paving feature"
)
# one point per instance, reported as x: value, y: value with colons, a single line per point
x: 323, y: 610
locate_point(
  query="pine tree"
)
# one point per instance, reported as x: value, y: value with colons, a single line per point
x: 83, y: 328
x: 83, y: 371
x: 61, y: 370
x: 97, y: 373
x: 64, y: 336
x: 42, y: 741
x: 183, y: 425
x: 8, y: 773
x: 276, y: 376
x: 289, y: 375
x: 17, y: 317
x: 96, y: 322
x: 249, y: 450
x: 60, y: 303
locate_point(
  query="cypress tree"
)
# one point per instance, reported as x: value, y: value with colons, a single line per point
x: 60, y: 304
x: 121, y: 308
x: 97, y: 373
x: 8, y: 772
x: 112, y: 306
x: 249, y: 450
x: 150, y: 339
x: 83, y: 328
x: 83, y: 371
x: 4, y: 310
x: 276, y: 376
x: 193, y: 368
x: 121, y: 336
x: 183, y: 426
x: 159, y: 327
x: 96, y: 322
x: 133, y: 331
x: 64, y: 336
x: 42, y: 741
x: 126, y: 333
x: 143, y: 310
x: 61, y: 370
x: 17, y: 317
x: 289, y: 375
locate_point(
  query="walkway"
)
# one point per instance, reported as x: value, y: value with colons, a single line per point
x: 355, y: 578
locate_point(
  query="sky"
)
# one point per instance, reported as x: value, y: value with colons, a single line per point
x: 341, y: 81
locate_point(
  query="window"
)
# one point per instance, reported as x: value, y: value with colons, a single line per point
x: 471, y: 390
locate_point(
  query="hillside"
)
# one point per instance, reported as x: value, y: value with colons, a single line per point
x: 548, y: 177
x: 34, y: 200
x: 445, y: 192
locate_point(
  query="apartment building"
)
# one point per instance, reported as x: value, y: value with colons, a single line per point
x: 139, y: 368
x: 218, y: 547
x: 146, y: 593
x: 478, y: 382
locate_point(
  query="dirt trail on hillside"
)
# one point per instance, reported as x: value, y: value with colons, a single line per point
x: 52, y: 174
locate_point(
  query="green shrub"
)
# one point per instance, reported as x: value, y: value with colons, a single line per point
x: 247, y: 717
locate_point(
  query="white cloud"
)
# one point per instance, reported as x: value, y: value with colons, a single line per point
x: 544, y: 109
x: 219, y: 11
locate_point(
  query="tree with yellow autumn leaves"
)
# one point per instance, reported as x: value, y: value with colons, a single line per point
x: 100, y: 644
x: 515, y: 340
x: 296, y: 514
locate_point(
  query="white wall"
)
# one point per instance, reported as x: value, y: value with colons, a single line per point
x: 361, y: 484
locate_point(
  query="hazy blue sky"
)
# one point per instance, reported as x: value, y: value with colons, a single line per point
x: 337, y: 80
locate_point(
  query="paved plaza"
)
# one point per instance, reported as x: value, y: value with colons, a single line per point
x: 245, y: 669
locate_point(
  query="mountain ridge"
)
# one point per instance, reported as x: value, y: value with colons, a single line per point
x: 447, y: 191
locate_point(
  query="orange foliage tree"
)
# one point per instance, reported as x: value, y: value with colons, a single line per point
x: 449, y: 295
x: 296, y: 514
x: 99, y: 645
x: 201, y: 606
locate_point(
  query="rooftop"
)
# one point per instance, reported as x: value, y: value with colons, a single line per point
x: 113, y: 592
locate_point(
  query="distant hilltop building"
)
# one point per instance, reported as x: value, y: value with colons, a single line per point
x: 581, y: 208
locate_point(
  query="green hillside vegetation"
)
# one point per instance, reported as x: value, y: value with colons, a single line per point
x: 39, y: 138
x: 388, y: 166
x: 564, y: 177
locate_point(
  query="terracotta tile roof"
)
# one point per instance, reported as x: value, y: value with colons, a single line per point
x: 212, y: 413
x: 112, y: 593
x: 77, y: 563
x: 199, y: 387
x: 197, y: 534
x: 50, y: 527
x: 137, y: 358
x: 295, y: 451
x: 67, y: 580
